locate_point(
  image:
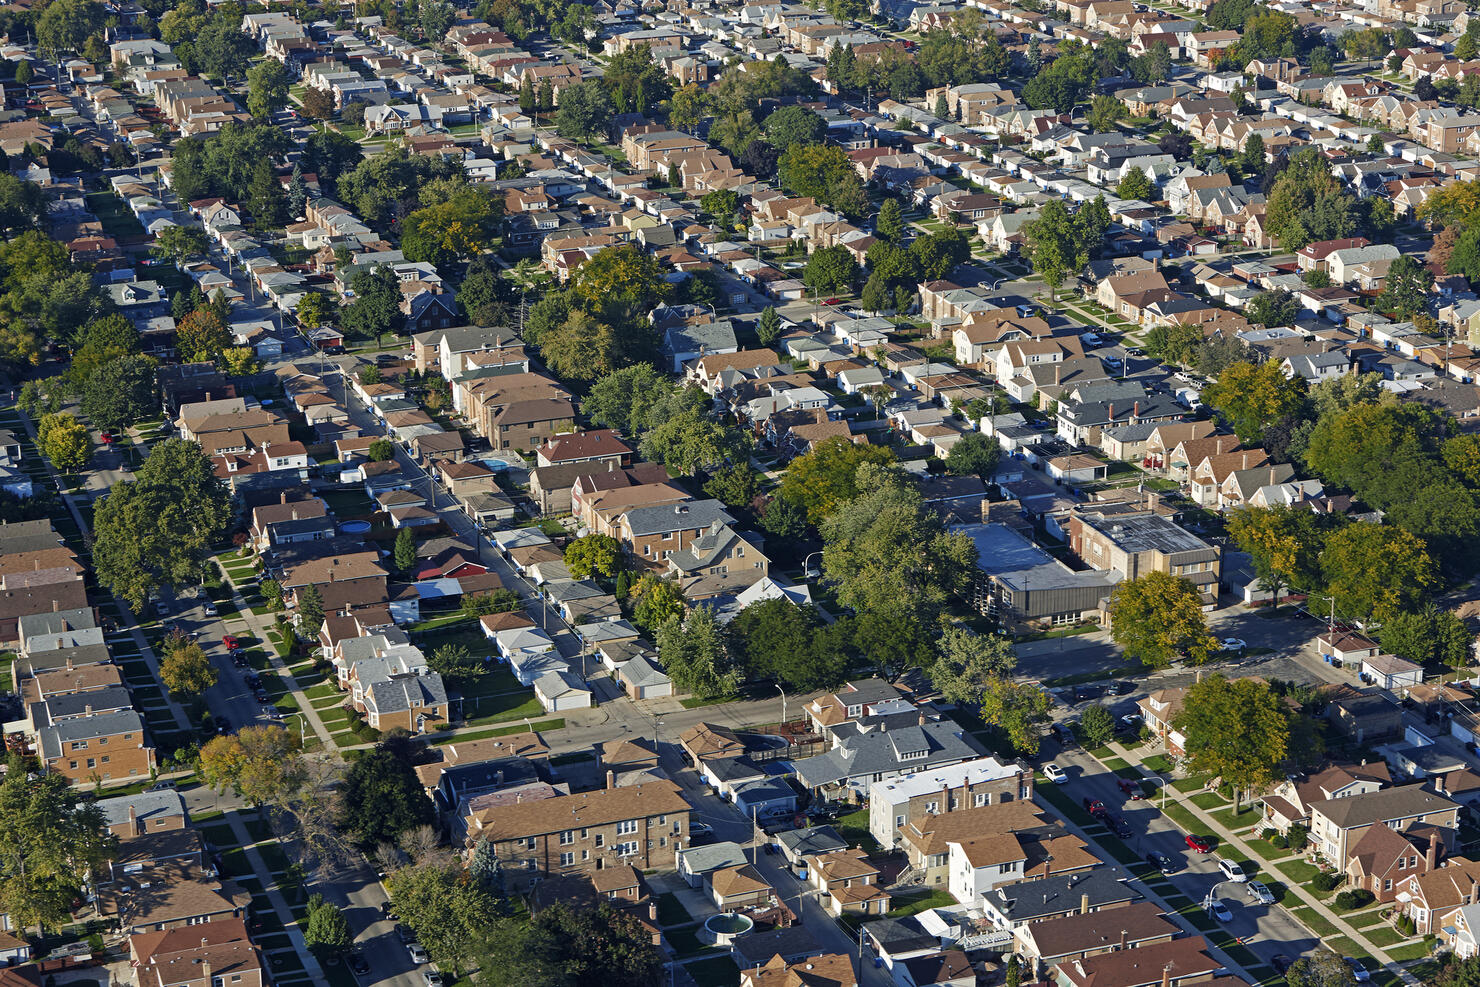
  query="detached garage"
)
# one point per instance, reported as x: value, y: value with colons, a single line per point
x: 562, y: 690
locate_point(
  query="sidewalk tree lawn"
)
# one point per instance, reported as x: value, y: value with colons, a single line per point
x: 261, y: 764
x: 327, y: 934
x: 159, y: 530
x: 1020, y: 710
x: 1158, y: 618
x: 1235, y: 729
x: 381, y: 798
x: 454, y: 917
x: 1098, y: 724
x: 64, y: 440
x: 186, y: 671
x: 776, y: 639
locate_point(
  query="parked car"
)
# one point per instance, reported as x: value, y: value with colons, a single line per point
x: 1055, y: 774
x: 262, y: 697
x: 1130, y: 789
x: 1358, y: 970
x: 358, y: 965
x: 432, y: 978
x: 700, y: 829
x: 1200, y: 844
x: 1163, y: 863
x: 209, y: 608
x: 418, y: 952
x: 1237, y: 644
x: 407, y: 936
x: 1260, y: 892
x: 1220, y: 911
x: 1124, y: 687
x: 232, y: 644
x: 1232, y: 871
x: 1092, y: 805
x: 1120, y: 827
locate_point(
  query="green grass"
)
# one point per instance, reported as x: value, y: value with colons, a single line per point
x: 499, y: 709
x: 671, y: 911
x: 853, y: 828
x: 1246, y: 816
x: 558, y: 723
x: 1184, y: 818
x: 1382, y: 937
x: 685, y: 941
x: 1298, y: 871
x: 1406, y: 954
x: 935, y: 898
x: 1208, y: 800
x: 1314, y: 921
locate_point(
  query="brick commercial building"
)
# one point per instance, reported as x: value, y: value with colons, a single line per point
x: 641, y: 826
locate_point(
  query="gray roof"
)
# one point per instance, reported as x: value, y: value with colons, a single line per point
x: 1385, y: 804
x: 403, y: 692
x: 880, y: 751
x: 715, y: 856
x: 69, y: 704
x: 560, y: 682
x: 87, y: 728
x: 893, y: 935
x: 146, y: 806
x: 671, y: 517
x: 806, y: 842
x: 791, y: 944
x: 56, y: 621
x: 706, y: 337
x: 641, y: 671
x: 579, y: 589
x: 1024, y: 901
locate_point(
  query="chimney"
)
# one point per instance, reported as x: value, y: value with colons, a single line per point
x: 1084, y: 903
x: 1136, y: 410
x: 1166, y: 976
x: 1431, y: 858
x: 133, y: 819
x: 1122, y: 938
x: 1111, y: 416
x: 611, y: 779
x: 205, y: 972
x: 1058, y: 372
x: 1245, y: 460
x: 55, y: 606
x: 283, y: 497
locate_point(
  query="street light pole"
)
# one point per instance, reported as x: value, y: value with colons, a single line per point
x: 783, y: 704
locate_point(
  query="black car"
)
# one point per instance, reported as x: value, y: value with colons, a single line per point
x: 387, y: 910
x: 1084, y: 693
x: 1124, y: 687
x: 263, y: 697
x: 1280, y: 962
x: 358, y: 965
x: 254, y: 681
x: 1120, y: 827
x: 1163, y: 863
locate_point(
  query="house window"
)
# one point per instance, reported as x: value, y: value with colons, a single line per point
x: 566, y: 859
x: 600, y: 841
x: 628, y: 849
x: 567, y: 838
x: 983, y: 798
x: 932, y: 807
x: 79, y: 745
x: 626, y: 826
x: 92, y: 762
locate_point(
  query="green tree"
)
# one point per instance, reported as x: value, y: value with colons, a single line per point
x: 452, y: 916
x: 1274, y: 308
x: 201, y: 336
x: 693, y: 652
x: 51, y: 838
x: 1405, y: 293
x: 185, y: 669
x: 818, y: 481
x: 687, y: 108
x: 1104, y: 112
x: 315, y: 309
x: 64, y: 440
x: 1054, y: 247
x: 582, y: 348
x: 967, y: 661
x: 266, y: 199
x: 327, y: 933
x: 66, y: 24
x: 636, y: 82
x: 316, y: 104
x: 456, y: 663
x: 462, y: 226
x: 585, y: 111
x: 179, y: 243
x: 1307, y: 203
x: 621, y: 283
x: 691, y: 442
x: 793, y: 125
x: 1427, y: 636
x: 1098, y: 724
x: 1253, y: 397
x: 941, y: 253
x: 381, y: 451
x: 310, y: 611
x: 1323, y: 968
x: 404, y: 551
x: 1019, y: 710
x: 1135, y: 185
x: 376, y: 307
x: 1236, y: 730
x: 1284, y: 545
x: 776, y: 639
x: 594, y: 555
x: 1252, y: 157
x: 655, y: 601
x: 830, y: 269
x: 267, y: 88
x: 825, y: 173
x: 382, y: 798
x: 768, y: 326
x: 120, y: 393
x: 889, y: 223
x: 1158, y: 618
x: 1376, y: 571
x: 974, y: 454
x: 722, y: 203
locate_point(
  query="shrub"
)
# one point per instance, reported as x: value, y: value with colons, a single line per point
x: 1326, y: 881
x: 1355, y: 898
x: 1405, y: 924
x: 1295, y: 838
x: 1279, y: 841
x: 1268, y: 835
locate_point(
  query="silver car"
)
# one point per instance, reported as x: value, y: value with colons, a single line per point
x: 1260, y: 892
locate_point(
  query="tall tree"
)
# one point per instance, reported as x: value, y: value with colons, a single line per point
x: 694, y: 654
x: 1236, y: 730
x: 267, y: 88
x: 1376, y: 571
x: 51, y: 837
x: 381, y: 798
x: 967, y: 661
x: 1158, y: 618
x: 1252, y: 397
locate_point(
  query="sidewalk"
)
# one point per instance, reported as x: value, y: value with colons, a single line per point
x: 280, y: 906
x: 1229, y: 838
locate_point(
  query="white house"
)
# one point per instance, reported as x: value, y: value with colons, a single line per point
x: 976, y: 866
x: 562, y: 690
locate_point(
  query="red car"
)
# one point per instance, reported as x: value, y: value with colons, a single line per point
x: 1092, y: 805
x: 1130, y: 789
x: 831, y: 301
x: 107, y: 438
x: 1201, y: 844
x: 231, y: 642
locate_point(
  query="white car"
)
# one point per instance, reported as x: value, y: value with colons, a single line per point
x: 1232, y: 871
x: 1220, y: 911
x: 1055, y: 774
x: 1359, y: 972
x: 1260, y: 892
x: 1235, y: 644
